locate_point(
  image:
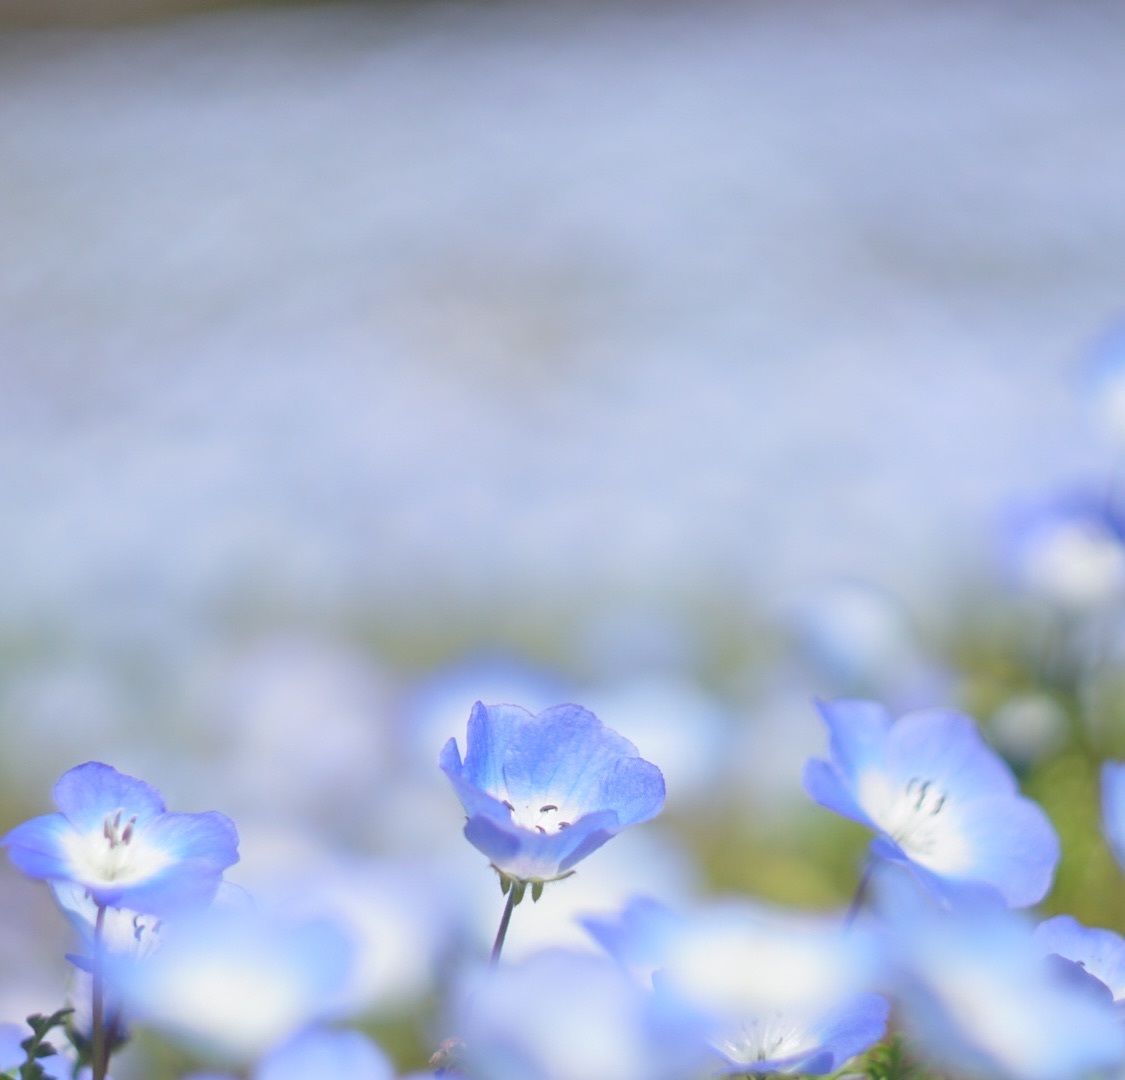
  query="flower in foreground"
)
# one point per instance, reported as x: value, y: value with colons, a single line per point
x: 543, y: 791
x: 1099, y: 953
x: 769, y: 991
x: 114, y: 838
x: 939, y: 798
x: 978, y: 995
x: 236, y: 981
x: 566, y: 1016
x: 318, y: 1052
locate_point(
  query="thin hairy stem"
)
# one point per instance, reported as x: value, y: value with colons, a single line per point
x: 100, y: 1062
x: 506, y: 918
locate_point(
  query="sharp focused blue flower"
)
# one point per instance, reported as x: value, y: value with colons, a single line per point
x: 767, y: 991
x: 543, y: 791
x: 1099, y: 953
x: 940, y: 799
x: 115, y: 839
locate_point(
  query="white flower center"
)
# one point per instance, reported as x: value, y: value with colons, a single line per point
x: 764, y: 1038
x: 920, y: 818
x: 544, y: 817
x: 115, y: 854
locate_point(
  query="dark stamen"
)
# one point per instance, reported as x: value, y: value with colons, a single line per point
x: 509, y: 806
x: 549, y: 806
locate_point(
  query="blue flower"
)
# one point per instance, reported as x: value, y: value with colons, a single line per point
x: 768, y: 991
x: 1113, y: 807
x: 1069, y: 549
x: 940, y: 799
x: 1099, y: 953
x: 566, y: 1016
x: 236, y: 981
x: 975, y: 993
x: 318, y: 1052
x: 542, y: 792
x: 114, y: 838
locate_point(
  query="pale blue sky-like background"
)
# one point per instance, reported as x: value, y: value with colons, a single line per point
x: 500, y: 304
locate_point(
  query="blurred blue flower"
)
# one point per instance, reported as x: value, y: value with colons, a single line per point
x: 1104, y: 382
x: 1099, y: 953
x: 543, y: 791
x: 236, y: 981
x: 318, y: 1052
x: 769, y: 991
x: 1113, y: 807
x: 114, y: 838
x: 975, y: 992
x: 11, y: 1053
x: 1069, y: 549
x: 940, y: 799
x: 567, y: 1016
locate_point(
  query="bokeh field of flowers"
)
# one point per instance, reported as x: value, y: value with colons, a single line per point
x: 663, y: 464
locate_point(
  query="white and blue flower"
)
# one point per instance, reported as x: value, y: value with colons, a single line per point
x: 542, y: 791
x: 567, y: 1016
x: 114, y: 838
x: 236, y: 981
x: 320, y: 1052
x: 768, y: 991
x: 1099, y: 953
x: 939, y: 798
x: 975, y: 993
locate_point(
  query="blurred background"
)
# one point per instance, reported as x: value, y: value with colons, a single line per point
x: 358, y: 361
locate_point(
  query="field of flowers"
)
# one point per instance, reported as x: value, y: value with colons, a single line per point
x: 562, y: 548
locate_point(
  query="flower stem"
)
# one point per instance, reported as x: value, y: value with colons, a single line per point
x: 506, y: 918
x: 100, y: 1061
x: 860, y: 897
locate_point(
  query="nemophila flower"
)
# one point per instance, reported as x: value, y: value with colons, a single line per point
x: 1070, y: 550
x: 1113, y: 807
x: 978, y: 997
x: 1099, y: 953
x: 769, y: 991
x: 317, y: 1053
x: 543, y: 791
x: 236, y: 981
x: 567, y: 1016
x: 1104, y: 383
x: 940, y: 799
x: 115, y: 839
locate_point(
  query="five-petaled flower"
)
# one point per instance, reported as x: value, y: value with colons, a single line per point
x: 115, y: 839
x: 541, y: 792
x: 941, y: 800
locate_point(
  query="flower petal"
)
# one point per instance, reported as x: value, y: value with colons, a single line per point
x: 857, y: 734
x: 1005, y: 842
x: 1100, y: 952
x: 87, y: 793
x: 823, y: 784
x: 342, y: 1055
x: 1113, y: 807
x: 36, y: 847
x: 946, y: 748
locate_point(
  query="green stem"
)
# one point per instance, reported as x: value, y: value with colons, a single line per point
x: 514, y: 891
x: 860, y: 897
x: 100, y: 1062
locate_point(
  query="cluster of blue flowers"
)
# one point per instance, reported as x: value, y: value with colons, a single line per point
x: 732, y: 987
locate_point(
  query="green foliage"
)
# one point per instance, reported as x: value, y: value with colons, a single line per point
x: 890, y: 1061
x: 36, y: 1047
